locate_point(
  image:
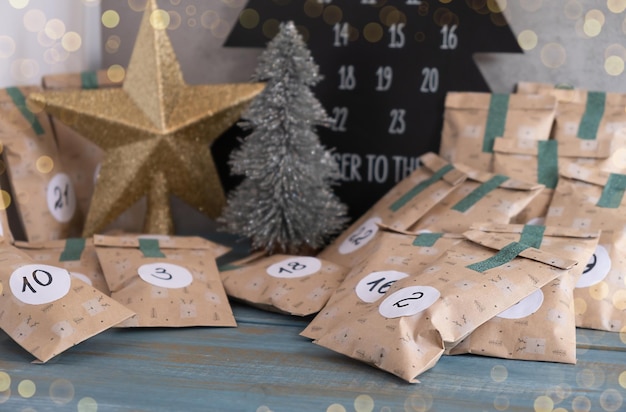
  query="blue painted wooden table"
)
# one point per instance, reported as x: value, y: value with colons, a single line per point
x: 264, y: 365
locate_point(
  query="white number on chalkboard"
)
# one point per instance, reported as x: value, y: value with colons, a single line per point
x: 413, y: 2
x: 449, y: 39
x: 397, y: 125
x: 430, y: 80
x: 340, y: 116
x: 347, y: 80
x: 341, y: 34
x: 384, y: 75
x: 368, y: 2
x: 397, y: 36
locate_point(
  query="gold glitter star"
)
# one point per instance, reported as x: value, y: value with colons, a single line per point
x: 155, y: 131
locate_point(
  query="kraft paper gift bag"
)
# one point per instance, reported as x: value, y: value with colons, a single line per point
x: 400, y: 208
x: 81, y: 158
x: 396, y: 255
x: 483, y: 197
x: 541, y: 327
x: 296, y: 285
x: 405, y: 332
x: 166, y: 280
x: 473, y: 121
x: 46, y: 310
x: 43, y: 193
x: 591, y: 199
x: 77, y: 255
x: 532, y: 160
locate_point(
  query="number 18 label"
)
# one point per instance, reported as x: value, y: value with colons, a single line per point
x: 295, y: 267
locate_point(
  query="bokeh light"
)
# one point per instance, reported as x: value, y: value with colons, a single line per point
x: 364, y: 403
x: 499, y: 373
x: 5, y: 198
x: 110, y: 19
x: 527, y: 39
x: 611, y: 400
x: 116, y: 73
x: 61, y: 391
x: 531, y: 5
x: 112, y: 44
x: 335, y: 407
x: 34, y: 20
x: 87, y: 404
x: 581, y: 404
x: 373, y: 32
x: 71, y: 41
x: 616, y: 6
x: 5, y: 381
x: 249, y: 18
x: 313, y: 8
x: 26, y: 388
x: 501, y: 403
x: 175, y: 20
x: 543, y: 404
x: 7, y: 47
x: 44, y: 164
x: 18, y: 4
x: 54, y: 29
x: 332, y: 15
x: 553, y: 55
x: 160, y: 19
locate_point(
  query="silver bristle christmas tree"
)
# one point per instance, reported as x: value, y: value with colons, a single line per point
x: 285, y: 203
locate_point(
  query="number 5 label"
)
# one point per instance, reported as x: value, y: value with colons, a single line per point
x: 39, y: 284
x: 408, y: 301
x: 165, y: 275
x: 61, y: 198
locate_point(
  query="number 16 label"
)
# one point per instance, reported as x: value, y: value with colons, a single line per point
x: 39, y: 284
x: 373, y: 286
x: 165, y: 275
x: 408, y: 301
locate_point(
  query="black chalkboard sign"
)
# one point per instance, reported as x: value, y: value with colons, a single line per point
x: 387, y: 66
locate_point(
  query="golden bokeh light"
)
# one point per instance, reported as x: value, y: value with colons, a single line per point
x: 270, y: 28
x: 614, y: 65
x: 54, y: 29
x: 175, y: 20
x: 553, y: 55
x: 137, y: 5
x: 363, y: 403
x: 5, y: 381
x: 71, y: 41
x: 621, y: 379
x: 581, y: 404
x: 34, y: 20
x: 44, y: 164
x: 18, y: 4
x: 615, y: 49
x: 211, y: 18
x: 497, y: 6
x: 599, y: 291
x: 159, y: 19
x: 592, y: 27
x: 61, y: 391
x: 616, y: 6
x: 249, y: 18
x: 373, y: 32
x: 336, y: 407
x: 26, y: 388
x: 116, y: 73
x: 87, y: 404
x: 332, y: 15
x: 543, y: 404
x: 418, y: 402
x: 596, y: 15
x: 112, y: 44
x: 5, y: 198
x: 110, y: 19
x: 313, y: 8
x: 499, y: 373
x: 7, y: 46
x: 527, y: 39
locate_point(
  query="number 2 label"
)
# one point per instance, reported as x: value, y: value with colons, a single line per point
x: 408, y: 301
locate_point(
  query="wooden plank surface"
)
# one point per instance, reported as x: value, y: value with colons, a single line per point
x: 264, y: 365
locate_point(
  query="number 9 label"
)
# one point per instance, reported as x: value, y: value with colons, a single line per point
x: 361, y: 236
x: 165, y: 275
x: 61, y: 198
x: 39, y: 284
x: 408, y: 301
x: 295, y: 267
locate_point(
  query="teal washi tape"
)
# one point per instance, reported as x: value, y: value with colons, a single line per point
x: 496, y: 120
x: 73, y: 249
x: 594, y: 110
x: 426, y: 239
x: 150, y: 248
x: 20, y: 102
x: 505, y: 255
x: 417, y: 189
x: 613, y: 191
x: 532, y: 235
x: 89, y: 80
x: 548, y: 163
x: 481, y: 191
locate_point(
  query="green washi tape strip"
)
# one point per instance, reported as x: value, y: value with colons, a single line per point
x: 20, y: 102
x: 89, y: 80
x: 417, y: 189
x: 548, y: 163
x: 481, y: 191
x: 505, y: 255
x: 613, y: 191
x: 73, y: 249
x: 150, y: 248
x: 532, y: 235
x: 227, y: 267
x: 426, y: 239
x: 496, y: 119
x: 594, y: 110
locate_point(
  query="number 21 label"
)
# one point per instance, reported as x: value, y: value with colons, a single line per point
x: 165, y: 275
x: 61, y: 198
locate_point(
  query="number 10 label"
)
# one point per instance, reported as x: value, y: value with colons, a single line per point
x: 39, y: 284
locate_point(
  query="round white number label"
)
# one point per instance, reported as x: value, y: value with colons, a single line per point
x: 360, y: 236
x: 525, y: 307
x: 597, y: 268
x: 373, y: 286
x: 166, y: 275
x: 295, y: 267
x: 39, y: 284
x: 61, y: 198
x: 408, y: 301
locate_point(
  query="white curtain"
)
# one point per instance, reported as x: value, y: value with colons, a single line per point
x: 39, y: 37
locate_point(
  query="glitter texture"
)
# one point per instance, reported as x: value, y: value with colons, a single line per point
x: 156, y: 131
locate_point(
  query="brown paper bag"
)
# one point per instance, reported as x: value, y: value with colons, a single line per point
x: 395, y: 256
x: 77, y: 255
x: 81, y: 157
x: 404, y: 333
x: 591, y: 199
x: 400, y: 208
x: 167, y: 281
x: 483, y: 197
x: 296, y: 285
x: 46, y: 310
x: 42, y: 191
x: 473, y: 121
x: 541, y: 327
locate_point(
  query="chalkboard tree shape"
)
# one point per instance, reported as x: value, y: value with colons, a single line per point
x: 387, y: 66
x: 285, y: 202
